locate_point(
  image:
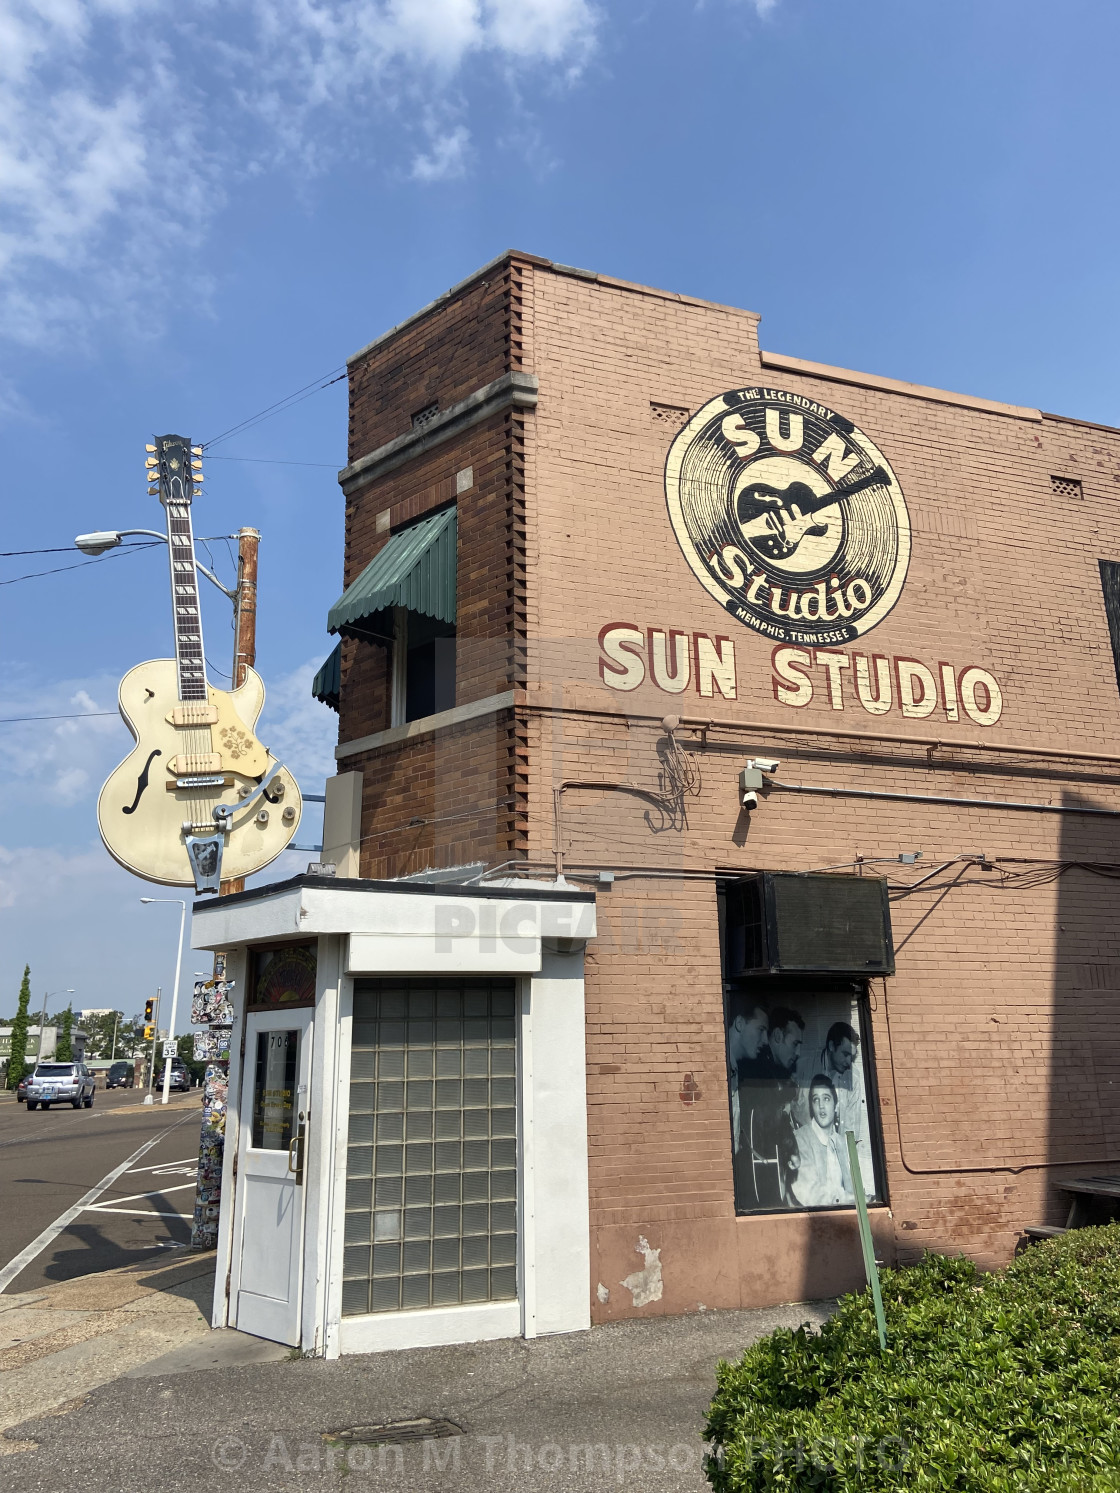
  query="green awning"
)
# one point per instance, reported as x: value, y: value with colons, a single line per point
x: 327, y: 683
x: 416, y: 569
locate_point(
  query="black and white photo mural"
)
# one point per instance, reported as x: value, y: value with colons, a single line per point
x: 798, y: 1071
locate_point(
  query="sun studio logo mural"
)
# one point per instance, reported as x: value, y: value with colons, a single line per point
x: 789, y: 516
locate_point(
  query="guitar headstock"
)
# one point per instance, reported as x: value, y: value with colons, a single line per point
x: 174, y: 469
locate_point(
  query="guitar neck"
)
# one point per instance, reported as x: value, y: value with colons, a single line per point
x: 176, y: 491
x: 878, y: 478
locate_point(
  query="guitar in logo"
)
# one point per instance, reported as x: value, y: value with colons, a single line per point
x: 788, y: 515
x: 198, y: 799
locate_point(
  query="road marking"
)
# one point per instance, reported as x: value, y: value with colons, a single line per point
x: 136, y: 1197
x: 139, y: 1214
x: 64, y: 1220
x: 188, y: 1165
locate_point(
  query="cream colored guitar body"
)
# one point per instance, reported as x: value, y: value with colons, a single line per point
x: 142, y: 809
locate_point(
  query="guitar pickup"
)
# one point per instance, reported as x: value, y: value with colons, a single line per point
x: 194, y: 713
x: 193, y: 764
x: 202, y: 780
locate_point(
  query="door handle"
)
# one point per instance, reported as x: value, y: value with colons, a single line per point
x: 295, y: 1151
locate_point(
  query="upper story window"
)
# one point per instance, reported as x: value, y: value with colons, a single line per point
x: 423, y: 671
x: 405, y: 600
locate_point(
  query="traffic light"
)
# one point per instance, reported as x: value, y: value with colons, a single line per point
x: 149, y: 1031
x: 149, y: 1013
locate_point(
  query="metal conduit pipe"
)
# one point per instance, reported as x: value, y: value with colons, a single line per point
x: 774, y: 728
x: 943, y: 798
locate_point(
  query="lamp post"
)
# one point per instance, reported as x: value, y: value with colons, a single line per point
x: 174, y: 991
x: 43, y: 1016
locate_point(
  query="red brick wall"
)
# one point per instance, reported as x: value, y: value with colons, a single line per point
x: 464, y: 345
x: 446, y: 798
x: 478, y: 338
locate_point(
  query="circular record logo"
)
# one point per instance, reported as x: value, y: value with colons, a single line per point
x: 789, y: 516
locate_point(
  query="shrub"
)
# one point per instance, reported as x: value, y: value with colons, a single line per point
x: 1002, y: 1383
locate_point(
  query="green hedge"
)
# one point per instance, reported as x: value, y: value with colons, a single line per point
x: 997, y: 1383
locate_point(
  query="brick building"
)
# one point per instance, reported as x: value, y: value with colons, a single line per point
x: 635, y: 609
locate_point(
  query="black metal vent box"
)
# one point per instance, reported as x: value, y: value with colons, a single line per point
x: 780, y: 921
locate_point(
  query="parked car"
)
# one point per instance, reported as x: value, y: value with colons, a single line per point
x: 121, y: 1076
x: 21, y: 1090
x: 51, y: 1083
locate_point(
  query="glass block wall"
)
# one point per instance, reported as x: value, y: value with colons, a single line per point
x: 431, y: 1172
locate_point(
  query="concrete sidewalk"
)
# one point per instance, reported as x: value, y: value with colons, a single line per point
x: 60, y: 1342
x: 621, y: 1406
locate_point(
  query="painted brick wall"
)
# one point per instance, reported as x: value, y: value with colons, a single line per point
x: 996, y: 1045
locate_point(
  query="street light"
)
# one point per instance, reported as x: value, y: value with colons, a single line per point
x: 174, y: 992
x: 107, y: 539
x: 43, y: 1017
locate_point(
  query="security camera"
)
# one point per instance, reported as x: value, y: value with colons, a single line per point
x: 750, y: 780
x: 765, y: 764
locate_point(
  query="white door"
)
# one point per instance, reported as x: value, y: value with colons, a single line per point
x: 274, y: 1117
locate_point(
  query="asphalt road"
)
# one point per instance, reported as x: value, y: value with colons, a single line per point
x: 50, y: 1161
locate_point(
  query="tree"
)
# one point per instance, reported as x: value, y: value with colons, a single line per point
x: 18, y: 1059
x: 63, y: 1048
x: 99, y: 1027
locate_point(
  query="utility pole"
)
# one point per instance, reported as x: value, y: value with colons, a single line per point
x: 116, y: 1023
x: 204, y: 1231
x: 244, y: 635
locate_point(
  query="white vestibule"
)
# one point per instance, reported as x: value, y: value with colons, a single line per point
x: 503, y: 967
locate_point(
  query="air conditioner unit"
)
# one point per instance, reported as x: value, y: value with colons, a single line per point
x: 779, y: 921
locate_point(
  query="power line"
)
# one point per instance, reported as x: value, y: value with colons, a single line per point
x: 324, y: 381
x: 81, y: 564
x: 79, y: 715
x: 61, y: 549
x: 273, y: 461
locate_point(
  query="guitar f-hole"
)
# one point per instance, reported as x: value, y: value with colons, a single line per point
x: 142, y: 781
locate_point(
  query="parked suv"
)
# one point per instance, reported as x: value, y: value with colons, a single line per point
x: 121, y: 1076
x: 51, y: 1083
x: 180, y: 1074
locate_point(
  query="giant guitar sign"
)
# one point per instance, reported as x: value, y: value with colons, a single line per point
x: 198, y: 799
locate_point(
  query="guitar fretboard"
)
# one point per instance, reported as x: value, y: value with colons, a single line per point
x: 175, y: 494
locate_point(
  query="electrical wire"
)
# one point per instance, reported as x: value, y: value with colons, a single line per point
x: 80, y: 565
x: 60, y: 549
x: 324, y: 381
x: 276, y: 461
x: 78, y: 715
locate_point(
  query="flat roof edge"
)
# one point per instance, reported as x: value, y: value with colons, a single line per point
x: 570, y: 270
x: 897, y: 386
x: 407, y: 888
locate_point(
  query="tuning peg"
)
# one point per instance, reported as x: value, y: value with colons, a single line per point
x: 153, y: 492
x: 149, y: 448
x: 196, y: 450
x: 197, y: 477
x: 151, y: 462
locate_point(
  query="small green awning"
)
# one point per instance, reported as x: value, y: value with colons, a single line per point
x: 416, y: 569
x: 327, y: 683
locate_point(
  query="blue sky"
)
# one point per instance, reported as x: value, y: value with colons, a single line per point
x: 204, y: 207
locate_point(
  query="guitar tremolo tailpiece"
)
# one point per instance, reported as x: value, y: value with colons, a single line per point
x: 205, y: 844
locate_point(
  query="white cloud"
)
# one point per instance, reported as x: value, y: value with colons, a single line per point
x: 118, y: 115
x: 447, y: 157
x: 299, y: 730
